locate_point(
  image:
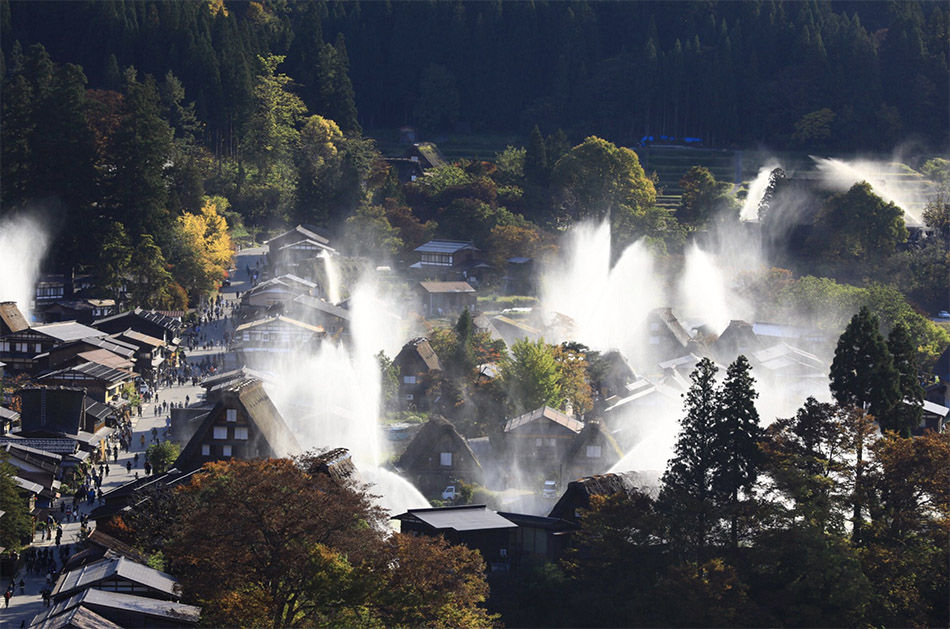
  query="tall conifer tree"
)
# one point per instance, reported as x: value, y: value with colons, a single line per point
x: 862, y: 373
x: 736, y: 441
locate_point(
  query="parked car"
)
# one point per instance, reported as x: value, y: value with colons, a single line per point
x: 549, y: 490
x: 943, y: 314
x: 449, y: 493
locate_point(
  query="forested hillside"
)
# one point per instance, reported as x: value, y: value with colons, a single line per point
x: 844, y: 75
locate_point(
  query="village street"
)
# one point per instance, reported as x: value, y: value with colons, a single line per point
x: 23, y: 607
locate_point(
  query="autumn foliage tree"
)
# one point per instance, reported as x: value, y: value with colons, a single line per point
x: 270, y: 543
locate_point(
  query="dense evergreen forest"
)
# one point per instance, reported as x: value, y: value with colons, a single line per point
x: 731, y: 73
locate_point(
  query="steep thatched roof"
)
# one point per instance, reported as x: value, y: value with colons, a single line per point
x: 421, y: 347
x: 595, y: 433
x: 666, y: 317
x: 427, y: 438
x: 578, y: 493
x: 545, y: 413
x: 11, y: 318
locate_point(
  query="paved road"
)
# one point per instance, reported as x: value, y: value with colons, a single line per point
x: 23, y: 607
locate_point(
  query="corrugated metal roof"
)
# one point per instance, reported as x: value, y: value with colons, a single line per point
x: 936, y: 409
x: 548, y: 413
x: 445, y: 246
x: 107, y: 358
x: 279, y: 318
x: 69, y: 331
x: 447, y: 287
x: 92, y: 370
x: 465, y: 518
x: 93, y: 573
x: 323, y: 306
x: 77, y: 618
x: 142, y: 338
x: 114, y: 345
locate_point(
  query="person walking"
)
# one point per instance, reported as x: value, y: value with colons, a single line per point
x: 6, y: 597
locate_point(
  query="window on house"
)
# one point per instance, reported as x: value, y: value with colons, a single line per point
x: 550, y: 442
x: 220, y: 432
x: 654, y: 340
x: 445, y: 459
x: 539, y: 442
x: 410, y: 396
x: 409, y: 379
x: 21, y: 347
x: 226, y: 450
x: 38, y: 348
x: 654, y: 326
x: 247, y: 335
x: 240, y: 432
x: 593, y: 452
x: 205, y: 449
x: 232, y: 415
x: 5, y: 346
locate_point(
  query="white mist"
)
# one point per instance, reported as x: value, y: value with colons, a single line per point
x: 757, y: 188
x: 23, y: 244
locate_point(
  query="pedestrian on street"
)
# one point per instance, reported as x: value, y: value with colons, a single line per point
x: 128, y: 467
x: 22, y: 586
x: 6, y: 597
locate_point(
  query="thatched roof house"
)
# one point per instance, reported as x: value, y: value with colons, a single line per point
x: 244, y: 424
x: 576, y: 497
x: 594, y: 451
x: 439, y: 456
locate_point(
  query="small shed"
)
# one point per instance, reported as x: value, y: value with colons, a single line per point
x: 446, y: 298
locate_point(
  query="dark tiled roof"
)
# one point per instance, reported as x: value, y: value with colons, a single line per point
x: 445, y: 246
x: 93, y: 370
x: 76, y: 618
x: 464, y: 518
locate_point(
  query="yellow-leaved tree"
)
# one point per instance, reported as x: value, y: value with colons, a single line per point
x: 205, y: 247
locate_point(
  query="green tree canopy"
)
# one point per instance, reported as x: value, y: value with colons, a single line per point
x: 858, y: 225
x: 863, y: 373
x: 596, y: 179
x: 530, y: 375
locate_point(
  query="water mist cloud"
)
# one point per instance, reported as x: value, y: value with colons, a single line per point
x: 23, y: 244
x: 906, y: 193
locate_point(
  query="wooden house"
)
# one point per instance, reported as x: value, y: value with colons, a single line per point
x: 617, y: 375
x: 629, y: 417
x: 106, y: 350
x: 475, y: 526
x: 318, y: 312
x: 107, y: 609
x: 150, y: 352
x: 50, y: 416
x: 441, y: 299
x: 782, y: 362
x: 9, y: 420
x: 666, y: 337
x: 101, y: 383
x: 444, y: 259
x: 520, y: 277
x: 77, y: 617
x: 593, y: 451
x: 298, y: 234
x: 256, y: 341
x: 737, y: 339
x: 118, y: 574
x: 439, y: 456
x: 537, y: 537
x: 512, y: 330
x: 244, y: 424
x: 427, y: 154
x: 414, y: 363
x: 279, y: 290
x: 154, y: 324
x: 291, y: 258
x: 540, y: 439
x: 50, y: 288
x: 20, y: 349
